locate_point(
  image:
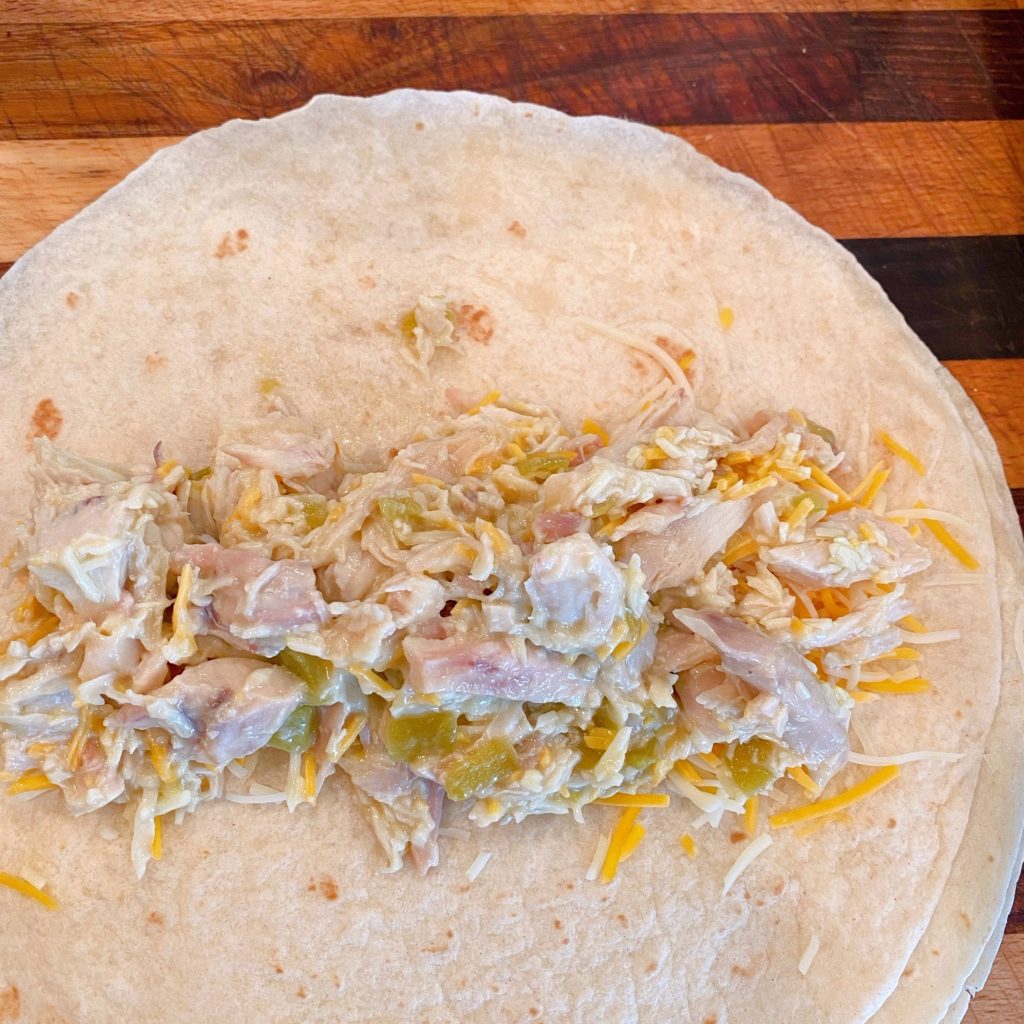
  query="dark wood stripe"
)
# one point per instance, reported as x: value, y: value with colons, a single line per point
x: 963, y: 296
x: 61, y: 80
x: 1015, y: 922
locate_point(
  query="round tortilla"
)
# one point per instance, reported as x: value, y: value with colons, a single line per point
x: 287, y: 248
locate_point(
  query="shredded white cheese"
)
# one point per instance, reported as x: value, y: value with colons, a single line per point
x: 913, y: 755
x: 960, y: 579
x: 599, y: 855
x: 659, y: 355
x: 930, y: 513
x: 258, y: 794
x: 707, y: 802
x: 750, y: 853
x: 939, y: 636
x: 809, y: 954
x: 478, y: 865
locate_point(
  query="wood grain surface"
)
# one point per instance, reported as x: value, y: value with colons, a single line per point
x: 896, y: 125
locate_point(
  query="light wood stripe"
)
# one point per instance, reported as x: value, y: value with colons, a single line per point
x: 908, y: 179
x: 912, y: 179
x: 996, y: 386
x: 88, y: 11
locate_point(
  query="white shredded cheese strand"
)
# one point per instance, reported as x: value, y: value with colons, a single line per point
x: 930, y: 513
x: 707, y: 802
x: 273, y: 797
x: 461, y: 834
x: 960, y: 579
x: 32, y: 877
x: 878, y: 761
x: 809, y: 954
x: 659, y: 355
x: 939, y: 636
x: 599, y: 855
x: 478, y: 865
x: 750, y: 853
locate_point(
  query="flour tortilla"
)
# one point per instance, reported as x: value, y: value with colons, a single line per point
x: 286, y: 248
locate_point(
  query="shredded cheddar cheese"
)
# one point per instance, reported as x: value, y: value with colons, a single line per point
x: 870, y: 785
x: 904, y: 453
x: 740, y: 550
x: 726, y: 317
x: 26, y: 888
x: 617, y: 841
x: 635, y: 800
x: 157, y: 847
x: 800, y: 776
x: 820, y: 477
x: 689, y: 846
x: 593, y: 427
x: 309, y: 775
x: 631, y: 842
x: 914, y: 625
x: 917, y: 685
x: 598, y: 738
x: 30, y: 782
x: 750, y: 816
x: 951, y: 544
x: 489, y: 399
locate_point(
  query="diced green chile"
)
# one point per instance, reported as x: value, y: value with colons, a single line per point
x: 480, y: 767
x: 420, y: 734
x: 298, y: 732
x: 750, y: 765
x: 315, y: 672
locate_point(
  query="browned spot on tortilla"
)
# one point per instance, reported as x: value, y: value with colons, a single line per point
x: 969, y: 702
x: 154, y: 361
x: 778, y: 887
x: 71, y: 299
x: 450, y: 934
x: 301, y: 991
x: 737, y: 837
x: 558, y: 923
x: 534, y: 1012
x: 155, y: 917
x: 278, y: 969
x: 478, y: 322
x: 935, y: 952
x: 463, y: 888
x: 673, y: 348
x: 311, y: 887
x: 46, y: 420
x: 991, y: 859
x: 622, y: 919
x: 528, y: 113
x: 419, y: 126
x: 958, y: 713
x: 744, y: 970
x: 966, y: 920
x: 759, y: 901
x: 232, y: 245
x: 336, y: 980
x: 570, y: 885
x: 711, y: 1020
x: 10, y: 1004
x: 637, y: 363
x: 565, y: 941
x: 891, y: 823
x: 907, y: 972
x: 367, y: 281
x: 328, y: 888
x: 517, y: 229
x: 437, y: 947
x: 652, y: 967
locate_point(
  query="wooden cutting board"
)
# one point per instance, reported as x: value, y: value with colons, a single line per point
x: 896, y: 125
